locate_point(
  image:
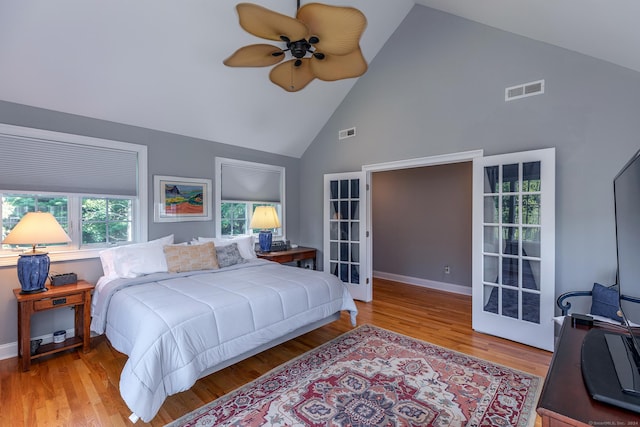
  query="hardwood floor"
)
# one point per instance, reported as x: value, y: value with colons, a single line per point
x: 76, y: 389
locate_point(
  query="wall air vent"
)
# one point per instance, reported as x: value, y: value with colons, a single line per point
x: 524, y: 90
x: 347, y: 133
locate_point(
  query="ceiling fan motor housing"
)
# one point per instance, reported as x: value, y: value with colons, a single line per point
x: 300, y: 48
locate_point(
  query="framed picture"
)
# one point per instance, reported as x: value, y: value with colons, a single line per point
x: 181, y: 199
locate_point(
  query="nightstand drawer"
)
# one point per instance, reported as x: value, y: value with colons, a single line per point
x: 46, y: 304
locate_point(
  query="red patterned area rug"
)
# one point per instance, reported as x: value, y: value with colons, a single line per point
x: 374, y: 377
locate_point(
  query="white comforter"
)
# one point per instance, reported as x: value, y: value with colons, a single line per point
x: 174, y: 327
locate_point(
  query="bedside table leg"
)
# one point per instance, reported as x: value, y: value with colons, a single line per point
x: 24, y: 335
x: 83, y: 321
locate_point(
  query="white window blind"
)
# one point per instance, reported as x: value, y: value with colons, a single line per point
x: 35, y: 164
x: 244, y: 182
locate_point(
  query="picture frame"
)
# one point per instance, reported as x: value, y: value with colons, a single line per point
x: 178, y: 199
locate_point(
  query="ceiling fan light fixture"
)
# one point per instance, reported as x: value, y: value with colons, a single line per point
x: 323, y: 34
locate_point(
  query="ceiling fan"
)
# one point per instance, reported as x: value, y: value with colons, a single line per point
x: 323, y: 42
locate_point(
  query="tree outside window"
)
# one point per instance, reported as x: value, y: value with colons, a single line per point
x: 106, y: 220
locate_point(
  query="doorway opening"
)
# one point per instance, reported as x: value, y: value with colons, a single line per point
x: 401, y: 252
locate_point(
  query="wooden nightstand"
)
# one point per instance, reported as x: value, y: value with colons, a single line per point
x: 295, y: 254
x: 75, y: 294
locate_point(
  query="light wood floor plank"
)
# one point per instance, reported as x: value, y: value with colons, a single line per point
x: 73, y: 388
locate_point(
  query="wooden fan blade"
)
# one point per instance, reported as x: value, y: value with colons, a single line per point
x: 268, y: 24
x: 338, y: 28
x: 255, y: 55
x: 292, y: 78
x: 337, y: 67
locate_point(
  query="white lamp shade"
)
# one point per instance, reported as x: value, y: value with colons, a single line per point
x: 265, y: 217
x: 37, y: 228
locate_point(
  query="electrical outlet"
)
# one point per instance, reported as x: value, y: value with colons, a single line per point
x: 447, y: 269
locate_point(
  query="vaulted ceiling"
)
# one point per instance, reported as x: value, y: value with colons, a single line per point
x: 158, y: 63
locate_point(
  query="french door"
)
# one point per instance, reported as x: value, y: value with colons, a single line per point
x: 345, y: 231
x: 514, y: 246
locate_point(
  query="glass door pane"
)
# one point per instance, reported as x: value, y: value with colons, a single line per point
x: 512, y: 214
x: 344, y: 262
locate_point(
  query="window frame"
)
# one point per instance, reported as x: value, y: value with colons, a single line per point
x: 76, y: 250
x: 219, y: 161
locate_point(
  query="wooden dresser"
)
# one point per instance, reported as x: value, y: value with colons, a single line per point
x: 564, y: 400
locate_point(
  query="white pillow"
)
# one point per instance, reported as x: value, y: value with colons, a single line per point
x: 108, y: 263
x: 136, y: 259
x: 246, y: 244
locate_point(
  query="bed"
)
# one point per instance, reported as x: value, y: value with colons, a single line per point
x: 178, y: 326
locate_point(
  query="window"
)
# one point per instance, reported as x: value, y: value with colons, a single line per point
x: 241, y: 187
x: 235, y: 218
x: 14, y: 207
x: 103, y: 221
x: 90, y: 185
x: 106, y: 221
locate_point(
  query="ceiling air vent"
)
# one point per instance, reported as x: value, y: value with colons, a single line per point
x: 347, y: 133
x: 524, y: 90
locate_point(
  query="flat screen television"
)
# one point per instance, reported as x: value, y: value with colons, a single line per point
x: 611, y: 361
x: 626, y: 190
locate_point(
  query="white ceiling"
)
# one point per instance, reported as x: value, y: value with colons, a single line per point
x: 158, y: 63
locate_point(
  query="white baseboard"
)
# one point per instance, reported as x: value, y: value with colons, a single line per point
x: 431, y: 284
x: 10, y: 350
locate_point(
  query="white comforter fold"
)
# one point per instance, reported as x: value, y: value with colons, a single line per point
x: 174, y: 327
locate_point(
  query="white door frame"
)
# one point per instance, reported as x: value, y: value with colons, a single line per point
x: 441, y: 159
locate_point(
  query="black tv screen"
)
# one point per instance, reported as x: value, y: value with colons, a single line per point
x: 626, y: 188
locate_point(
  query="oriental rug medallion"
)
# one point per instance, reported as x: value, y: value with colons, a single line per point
x: 374, y: 377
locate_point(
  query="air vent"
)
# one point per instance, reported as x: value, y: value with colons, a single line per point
x: 347, y: 133
x: 524, y: 90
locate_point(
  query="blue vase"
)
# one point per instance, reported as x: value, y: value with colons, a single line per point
x: 33, y: 270
x: 264, y: 238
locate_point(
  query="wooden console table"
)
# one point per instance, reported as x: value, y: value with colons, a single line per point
x: 295, y: 254
x: 75, y: 294
x: 564, y: 400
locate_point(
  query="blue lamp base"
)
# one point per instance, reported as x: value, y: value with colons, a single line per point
x: 33, y: 270
x: 264, y: 238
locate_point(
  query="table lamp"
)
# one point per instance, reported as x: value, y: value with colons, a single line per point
x: 33, y: 266
x: 265, y: 218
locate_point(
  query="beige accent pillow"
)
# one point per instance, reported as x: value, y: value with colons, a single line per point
x: 191, y: 258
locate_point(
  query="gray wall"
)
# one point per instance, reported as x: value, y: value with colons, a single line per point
x: 168, y: 154
x: 437, y: 87
x: 421, y: 221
